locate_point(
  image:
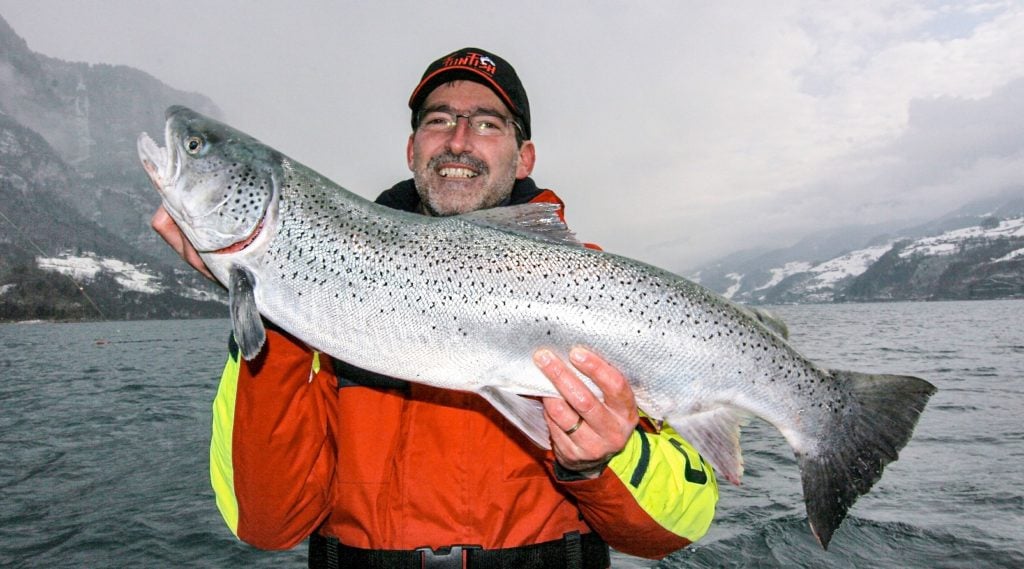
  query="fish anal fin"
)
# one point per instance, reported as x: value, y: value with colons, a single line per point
x: 526, y: 414
x: 246, y: 322
x: 715, y: 433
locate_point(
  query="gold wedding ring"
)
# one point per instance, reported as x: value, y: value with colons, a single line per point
x: 575, y: 427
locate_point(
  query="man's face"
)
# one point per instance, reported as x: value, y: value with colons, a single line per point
x: 459, y: 171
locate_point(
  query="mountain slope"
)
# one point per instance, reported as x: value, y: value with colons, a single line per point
x: 975, y: 252
x: 44, y: 241
x: 73, y: 196
x: 91, y: 115
x: 977, y: 262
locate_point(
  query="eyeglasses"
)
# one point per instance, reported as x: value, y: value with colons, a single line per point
x: 481, y: 123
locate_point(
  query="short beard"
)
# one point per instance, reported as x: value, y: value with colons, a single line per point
x: 489, y: 196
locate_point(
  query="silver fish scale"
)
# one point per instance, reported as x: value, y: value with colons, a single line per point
x: 434, y: 299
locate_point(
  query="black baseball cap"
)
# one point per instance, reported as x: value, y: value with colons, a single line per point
x: 479, y: 66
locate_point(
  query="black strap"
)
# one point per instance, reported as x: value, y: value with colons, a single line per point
x: 349, y: 375
x: 574, y: 551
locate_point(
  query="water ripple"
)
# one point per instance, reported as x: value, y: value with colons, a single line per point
x: 104, y: 454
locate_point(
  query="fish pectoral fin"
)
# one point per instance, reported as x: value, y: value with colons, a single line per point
x: 246, y: 322
x: 715, y: 433
x: 539, y: 220
x: 526, y: 414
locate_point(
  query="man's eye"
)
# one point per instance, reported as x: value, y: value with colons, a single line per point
x: 436, y: 120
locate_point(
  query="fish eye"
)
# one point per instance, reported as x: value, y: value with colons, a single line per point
x: 193, y: 144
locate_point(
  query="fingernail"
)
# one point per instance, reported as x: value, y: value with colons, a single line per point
x: 578, y: 354
x: 543, y: 357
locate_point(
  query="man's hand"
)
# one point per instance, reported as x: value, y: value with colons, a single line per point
x: 171, y: 233
x: 586, y: 432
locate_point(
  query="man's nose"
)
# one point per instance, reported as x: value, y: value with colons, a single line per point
x: 461, y: 138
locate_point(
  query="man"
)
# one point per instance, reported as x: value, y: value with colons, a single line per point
x: 384, y: 473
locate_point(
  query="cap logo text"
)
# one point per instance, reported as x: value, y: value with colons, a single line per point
x: 474, y: 60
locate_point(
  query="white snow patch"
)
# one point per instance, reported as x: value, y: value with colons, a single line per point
x: 87, y: 266
x: 949, y: 242
x: 197, y: 294
x: 1010, y: 256
x: 789, y: 269
x: 849, y: 265
x: 737, y: 283
x: 6, y: 288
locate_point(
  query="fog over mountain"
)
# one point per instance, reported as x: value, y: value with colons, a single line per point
x: 676, y: 132
x: 74, y: 204
x: 859, y: 222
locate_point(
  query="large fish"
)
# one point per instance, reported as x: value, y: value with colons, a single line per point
x: 463, y: 302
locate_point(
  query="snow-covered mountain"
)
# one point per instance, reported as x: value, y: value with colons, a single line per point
x: 980, y: 256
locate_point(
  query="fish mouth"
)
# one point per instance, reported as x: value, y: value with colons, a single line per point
x: 156, y: 161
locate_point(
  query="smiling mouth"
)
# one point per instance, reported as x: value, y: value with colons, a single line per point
x: 455, y: 172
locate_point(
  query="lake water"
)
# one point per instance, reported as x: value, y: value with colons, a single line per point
x: 104, y: 433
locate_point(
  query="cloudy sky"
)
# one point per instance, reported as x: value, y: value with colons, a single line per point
x: 676, y: 131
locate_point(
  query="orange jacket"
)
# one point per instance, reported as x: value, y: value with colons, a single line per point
x: 293, y: 453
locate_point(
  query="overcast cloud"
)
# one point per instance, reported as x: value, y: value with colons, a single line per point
x: 675, y: 131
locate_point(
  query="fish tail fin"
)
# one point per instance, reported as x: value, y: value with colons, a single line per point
x: 864, y: 436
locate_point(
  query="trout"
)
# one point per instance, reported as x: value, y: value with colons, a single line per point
x: 463, y: 302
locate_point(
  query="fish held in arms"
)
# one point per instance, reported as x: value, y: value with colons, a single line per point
x: 462, y: 303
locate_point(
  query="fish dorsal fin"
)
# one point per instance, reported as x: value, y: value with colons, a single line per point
x: 527, y: 414
x: 536, y: 219
x: 246, y: 323
x: 715, y: 433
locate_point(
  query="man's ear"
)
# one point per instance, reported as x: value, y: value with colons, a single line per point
x: 527, y: 157
x: 408, y: 151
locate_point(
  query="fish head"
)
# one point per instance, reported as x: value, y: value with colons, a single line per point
x: 217, y: 183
